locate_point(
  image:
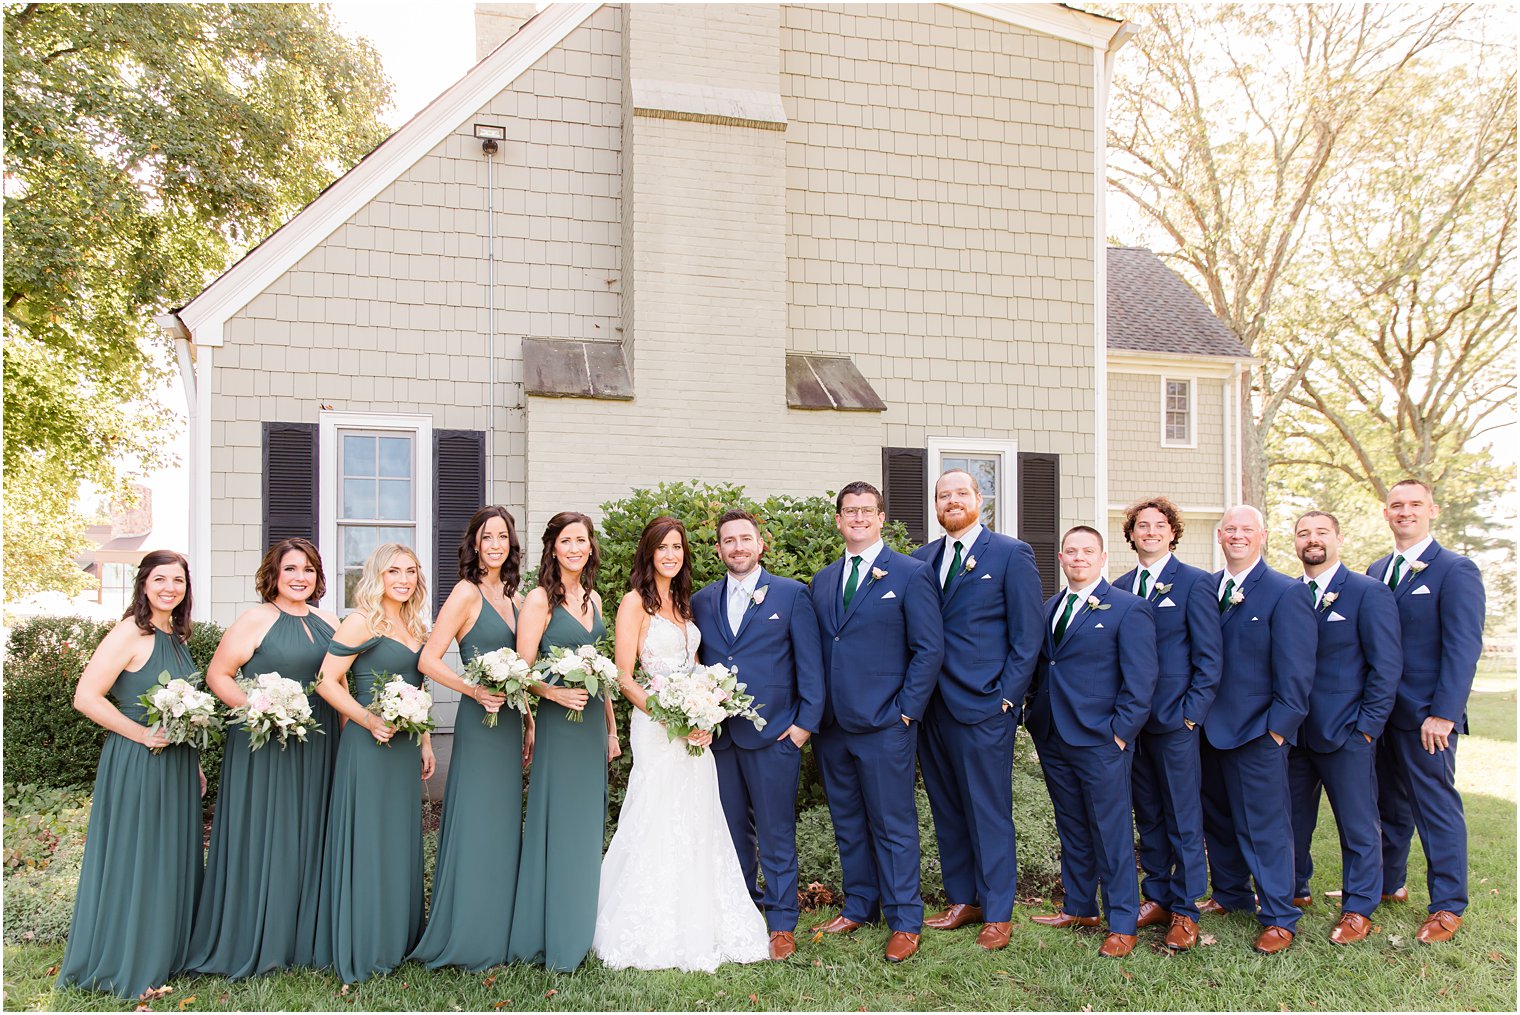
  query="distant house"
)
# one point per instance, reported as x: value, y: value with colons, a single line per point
x: 120, y: 543
x: 781, y: 245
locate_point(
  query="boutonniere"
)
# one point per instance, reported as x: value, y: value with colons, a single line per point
x: 1094, y: 604
x: 1417, y: 566
x: 1328, y: 599
x: 969, y: 566
x: 1237, y: 597
x: 877, y: 574
x: 1163, y: 587
x: 758, y: 596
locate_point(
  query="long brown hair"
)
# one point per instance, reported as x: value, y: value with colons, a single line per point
x: 266, y: 580
x: 470, y: 568
x: 142, y: 613
x: 549, y: 578
x: 643, y: 578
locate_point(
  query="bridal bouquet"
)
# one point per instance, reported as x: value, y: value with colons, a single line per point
x: 502, y: 672
x: 699, y: 699
x: 276, y: 707
x: 585, y: 668
x: 181, y: 712
x: 405, y: 708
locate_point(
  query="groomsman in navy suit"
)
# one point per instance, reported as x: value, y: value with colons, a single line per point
x: 763, y: 626
x: 1441, y: 605
x: 1167, y: 771
x: 1358, y: 672
x: 990, y: 602
x: 1092, y: 692
x: 1270, y: 635
x: 878, y: 616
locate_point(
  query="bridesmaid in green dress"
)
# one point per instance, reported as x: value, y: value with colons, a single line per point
x: 475, y: 880
x: 370, y: 910
x: 555, y: 916
x: 142, y: 857
x: 258, y: 906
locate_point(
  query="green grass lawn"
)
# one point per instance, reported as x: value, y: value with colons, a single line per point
x: 1042, y: 969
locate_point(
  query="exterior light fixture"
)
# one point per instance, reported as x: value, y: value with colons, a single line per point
x: 490, y: 137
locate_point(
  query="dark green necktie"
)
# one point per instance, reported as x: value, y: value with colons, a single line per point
x: 1224, y: 600
x: 1393, y: 576
x: 1071, y: 602
x: 1143, y: 575
x: 955, y: 565
x: 1314, y: 591
x: 853, y: 583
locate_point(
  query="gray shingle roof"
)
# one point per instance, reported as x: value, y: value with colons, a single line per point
x: 1151, y: 309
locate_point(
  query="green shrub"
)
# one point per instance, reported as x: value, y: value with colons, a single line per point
x: 44, y: 848
x: 46, y: 742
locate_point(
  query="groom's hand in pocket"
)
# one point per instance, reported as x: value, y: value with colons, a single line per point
x: 798, y: 734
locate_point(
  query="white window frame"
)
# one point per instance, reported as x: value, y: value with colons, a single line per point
x: 940, y: 448
x: 1192, y: 411
x: 328, y: 426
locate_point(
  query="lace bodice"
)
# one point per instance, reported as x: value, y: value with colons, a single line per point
x: 667, y: 648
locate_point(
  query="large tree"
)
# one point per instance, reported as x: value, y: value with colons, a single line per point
x: 147, y: 146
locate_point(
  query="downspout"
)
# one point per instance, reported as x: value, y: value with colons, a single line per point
x: 490, y: 327
x: 185, y: 354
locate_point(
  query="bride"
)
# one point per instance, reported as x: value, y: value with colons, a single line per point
x: 672, y: 895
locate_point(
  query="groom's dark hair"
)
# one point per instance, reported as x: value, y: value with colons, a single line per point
x: 856, y: 488
x: 735, y: 515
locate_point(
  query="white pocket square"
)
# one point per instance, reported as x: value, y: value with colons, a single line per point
x: 774, y: 616
x: 1255, y: 618
x: 1423, y: 590
x: 1098, y: 627
x: 986, y: 576
x: 1165, y: 602
x: 890, y: 595
x: 1334, y: 617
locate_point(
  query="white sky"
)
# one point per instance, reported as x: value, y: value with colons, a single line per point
x: 425, y: 47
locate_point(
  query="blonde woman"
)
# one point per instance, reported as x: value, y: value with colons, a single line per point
x: 371, y: 904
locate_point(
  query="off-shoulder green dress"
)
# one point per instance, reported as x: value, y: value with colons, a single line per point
x: 475, y: 880
x: 371, y: 897
x: 555, y: 916
x: 141, y: 875
x: 258, y: 909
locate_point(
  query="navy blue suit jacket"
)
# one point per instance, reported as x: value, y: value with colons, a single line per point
x: 1443, y: 636
x: 1269, y: 654
x: 991, y: 615
x: 1189, y: 646
x: 1359, y: 663
x: 1097, y: 684
x: 881, y: 657
x: 776, y: 654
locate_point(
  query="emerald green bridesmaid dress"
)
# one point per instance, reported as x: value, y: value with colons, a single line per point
x: 258, y: 906
x: 371, y: 896
x: 555, y: 915
x: 141, y: 876
x: 475, y: 880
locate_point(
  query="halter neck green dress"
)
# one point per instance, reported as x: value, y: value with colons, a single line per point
x: 555, y: 915
x: 475, y: 880
x: 258, y: 909
x: 141, y: 875
x: 371, y: 896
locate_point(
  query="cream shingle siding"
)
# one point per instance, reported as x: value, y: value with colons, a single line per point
x: 1192, y: 477
x: 1198, y: 546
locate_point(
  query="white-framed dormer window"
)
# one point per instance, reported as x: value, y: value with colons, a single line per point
x: 376, y: 487
x: 993, y: 463
x: 1178, y: 415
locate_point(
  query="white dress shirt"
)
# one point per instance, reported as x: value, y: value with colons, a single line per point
x: 1066, y: 594
x: 867, y: 558
x: 1410, y: 555
x: 1154, y: 571
x: 1238, y: 579
x: 740, y: 592
x: 1322, y: 582
x: 948, y: 557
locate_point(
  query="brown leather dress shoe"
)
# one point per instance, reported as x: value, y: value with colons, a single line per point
x: 1152, y: 914
x: 1303, y: 901
x: 1210, y: 907
x: 901, y: 945
x: 839, y: 925
x: 994, y: 936
x: 1439, y: 926
x: 1183, y: 933
x: 1116, y: 946
x: 1064, y: 919
x: 1274, y: 940
x: 1351, y: 928
x: 1400, y: 894
x: 783, y: 945
x: 957, y: 915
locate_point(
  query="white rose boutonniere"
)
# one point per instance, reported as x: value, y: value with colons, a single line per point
x: 877, y: 574
x: 1328, y: 600
x: 758, y: 596
x: 1237, y: 597
x: 1416, y: 566
x: 1163, y: 587
x: 1094, y: 604
x: 969, y: 566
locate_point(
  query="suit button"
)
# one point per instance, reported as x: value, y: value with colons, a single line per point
x: 836, y: 637
x: 730, y: 658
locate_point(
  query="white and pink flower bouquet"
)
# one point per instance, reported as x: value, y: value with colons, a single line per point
x: 404, y: 708
x: 181, y: 712
x: 699, y: 699
x: 585, y: 668
x: 502, y: 671
x: 276, y: 707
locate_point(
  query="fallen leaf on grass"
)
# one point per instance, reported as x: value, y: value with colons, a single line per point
x: 1396, y: 940
x: 551, y: 992
x: 1040, y: 943
x: 1087, y: 1007
x: 344, y: 991
x: 753, y: 999
x: 1126, y: 974
x: 142, y: 1006
x: 1495, y: 957
x: 187, y: 1002
x: 499, y: 1004
x: 1207, y: 939
x: 52, y: 971
x: 489, y: 980
x: 1377, y: 928
x: 817, y: 936
x: 1493, y: 891
x: 154, y: 993
x: 817, y: 962
x: 223, y: 999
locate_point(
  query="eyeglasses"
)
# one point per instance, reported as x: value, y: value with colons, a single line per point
x: 859, y: 512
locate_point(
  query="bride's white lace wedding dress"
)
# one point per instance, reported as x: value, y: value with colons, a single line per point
x: 672, y: 895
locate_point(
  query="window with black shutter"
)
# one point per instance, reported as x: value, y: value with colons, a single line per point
x: 1040, y: 514
x: 904, y: 482
x: 290, y: 482
x: 459, y: 484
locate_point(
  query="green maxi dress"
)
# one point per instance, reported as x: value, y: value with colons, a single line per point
x: 141, y: 875
x: 555, y: 916
x: 475, y: 880
x: 371, y: 897
x: 258, y: 909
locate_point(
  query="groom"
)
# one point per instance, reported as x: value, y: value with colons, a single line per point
x: 763, y: 626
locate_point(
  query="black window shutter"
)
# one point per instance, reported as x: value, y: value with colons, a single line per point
x: 1040, y: 514
x: 290, y: 481
x: 903, y: 482
x: 459, y: 490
